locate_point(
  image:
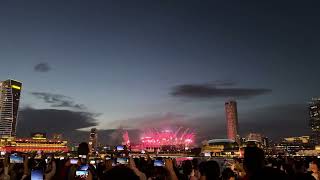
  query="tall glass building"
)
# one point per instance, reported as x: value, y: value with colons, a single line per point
x: 232, y: 120
x: 93, y: 140
x: 9, y: 105
x: 314, y: 120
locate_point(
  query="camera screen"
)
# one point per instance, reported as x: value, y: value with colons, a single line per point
x: 37, y: 174
x: 158, y: 163
x: 122, y: 160
x: 82, y: 174
x: 84, y: 167
x: 120, y: 148
x: 73, y: 161
x: 15, y: 159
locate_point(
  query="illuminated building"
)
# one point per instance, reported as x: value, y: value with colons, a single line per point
x: 292, y: 145
x: 38, y: 142
x: 221, y: 147
x: 232, y: 120
x: 254, y: 137
x: 9, y: 104
x: 300, y: 139
x: 93, y: 140
x: 314, y: 121
x: 57, y: 136
x: 253, y: 140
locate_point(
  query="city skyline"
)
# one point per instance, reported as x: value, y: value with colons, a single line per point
x: 152, y: 64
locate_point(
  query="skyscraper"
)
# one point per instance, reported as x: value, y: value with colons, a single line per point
x: 9, y: 105
x: 232, y: 120
x: 314, y: 121
x: 93, y: 140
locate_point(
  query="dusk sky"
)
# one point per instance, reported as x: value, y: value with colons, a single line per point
x: 140, y: 64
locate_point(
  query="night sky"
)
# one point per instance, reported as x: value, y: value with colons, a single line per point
x: 141, y: 64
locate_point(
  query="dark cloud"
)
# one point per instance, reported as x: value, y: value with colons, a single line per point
x: 68, y: 124
x: 216, y: 90
x: 58, y: 100
x: 276, y: 121
x: 53, y: 121
x: 42, y: 67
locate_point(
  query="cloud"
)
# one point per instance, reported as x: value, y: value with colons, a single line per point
x: 42, y: 67
x: 150, y: 121
x: 276, y: 121
x: 53, y: 121
x: 58, y: 100
x: 216, y: 90
x: 67, y: 123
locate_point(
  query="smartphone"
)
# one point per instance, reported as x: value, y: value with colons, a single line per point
x: 84, y: 167
x: 3, y: 153
x: 74, y: 161
x: 108, y: 158
x: 14, y: 158
x: 207, y: 154
x: 120, y: 148
x: 158, y: 163
x: 143, y: 152
x: 122, y: 161
x: 92, y: 162
x: 37, y: 174
x: 82, y: 174
x: 83, y: 156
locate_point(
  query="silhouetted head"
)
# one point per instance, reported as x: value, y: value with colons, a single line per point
x: 227, y: 174
x: 187, y: 167
x: 269, y: 173
x: 315, y: 166
x: 121, y: 172
x: 211, y: 170
x: 83, y: 148
x: 253, y: 159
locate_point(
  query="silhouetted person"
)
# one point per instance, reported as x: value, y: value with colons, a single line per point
x: 254, y: 166
x: 253, y: 161
x: 228, y: 174
x: 187, y: 169
x: 315, y: 168
x: 121, y: 172
x: 83, y: 149
x: 209, y: 170
x: 299, y: 172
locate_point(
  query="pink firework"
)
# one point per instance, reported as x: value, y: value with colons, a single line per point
x: 154, y: 138
x: 125, y: 138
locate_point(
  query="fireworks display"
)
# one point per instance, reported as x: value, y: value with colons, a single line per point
x: 154, y: 138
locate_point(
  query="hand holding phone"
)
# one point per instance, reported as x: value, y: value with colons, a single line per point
x: 37, y: 174
x: 122, y: 160
x: 120, y: 148
x: 74, y: 161
x: 158, y: 163
x: 92, y: 162
x: 15, y: 158
x: 82, y: 174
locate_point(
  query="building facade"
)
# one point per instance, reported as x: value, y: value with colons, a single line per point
x: 314, y: 120
x: 9, y: 105
x: 93, y: 140
x: 221, y: 147
x: 232, y: 120
x: 38, y: 142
